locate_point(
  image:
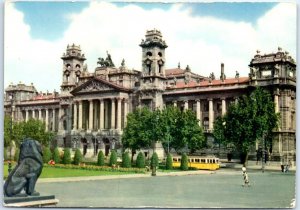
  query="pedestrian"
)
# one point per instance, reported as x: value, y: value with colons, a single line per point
x: 246, y: 178
x: 282, y: 166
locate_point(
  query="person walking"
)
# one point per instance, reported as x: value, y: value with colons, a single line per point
x: 246, y: 178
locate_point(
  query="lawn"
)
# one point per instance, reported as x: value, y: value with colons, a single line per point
x: 49, y: 172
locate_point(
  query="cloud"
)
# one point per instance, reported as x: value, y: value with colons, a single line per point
x: 198, y: 41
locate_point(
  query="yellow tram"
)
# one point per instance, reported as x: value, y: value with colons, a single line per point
x: 199, y: 162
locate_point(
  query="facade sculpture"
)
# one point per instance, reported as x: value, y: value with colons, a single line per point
x: 90, y: 110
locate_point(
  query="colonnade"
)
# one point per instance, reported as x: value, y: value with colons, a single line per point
x: 199, y: 112
x: 36, y: 113
x: 99, y: 114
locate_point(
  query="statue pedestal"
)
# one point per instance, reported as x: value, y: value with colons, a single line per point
x: 30, y: 201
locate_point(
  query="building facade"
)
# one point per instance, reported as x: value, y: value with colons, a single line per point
x: 90, y: 110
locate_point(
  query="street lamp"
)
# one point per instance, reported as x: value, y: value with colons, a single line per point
x: 10, y: 142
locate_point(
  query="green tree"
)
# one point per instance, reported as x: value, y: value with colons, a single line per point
x: 138, y: 133
x: 5, y: 153
x: 100, y: 161
x: 46, y: 154
x: 140, y: 160
x: 154, y: 160
x: 113, y: 158
x: 33, y: 128
x: 7, y: 130
x: 126, y: 163
x: 169, y: 162
x: 77, y: 157
x: 248, y: 121
x: 184, y: 164
x: 67, y: 156
x: 56, y: 156
x: 17, y: 153
x: 174, y: 128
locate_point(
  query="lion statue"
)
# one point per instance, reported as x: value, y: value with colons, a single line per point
x: 27, y: 171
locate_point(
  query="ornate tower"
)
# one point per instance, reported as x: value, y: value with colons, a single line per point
x: 73, y: 61
x: 153, y: 70
x: 276, y: 72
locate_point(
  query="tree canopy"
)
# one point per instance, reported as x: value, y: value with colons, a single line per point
x: 247, y: 121
x: 174, y: 128
x: 33, y: 128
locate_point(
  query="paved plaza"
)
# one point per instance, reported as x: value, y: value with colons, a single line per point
x: 223, y: 189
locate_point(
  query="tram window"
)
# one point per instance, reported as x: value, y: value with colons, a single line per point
x: 192, y: 160
x: 214, y: 161
x: 179, y: 159
x: 202, y: 160
x: 197, y: 160
x: 217, y: 161
x: 175, y: 159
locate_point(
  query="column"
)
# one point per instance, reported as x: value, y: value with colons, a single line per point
x: 47, y: 119
x: 54, y: 120
x: 80, y: 115
x: 119, y: 114
x: 276, y: 102
x: 40, y: 114
x: 125, y: 111
x: 91, y: 115
x: 223, y: 106
x: 60, y: 122
x: 75, y: 116
x: 101, y: 118
x: 175, y: 103
x: 198, y: 110
x: 210, y: 114
x: 26, y: 115
x: 33, y: 114
x: 113, y: 109
x: 186, y: 105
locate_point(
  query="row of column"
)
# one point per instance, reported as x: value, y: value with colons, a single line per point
x: 39, y: 117
x: 210, y: 110
x: 79, y: 117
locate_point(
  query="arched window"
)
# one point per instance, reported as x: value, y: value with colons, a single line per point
x: 160, y: 54
x: 77, y: 66
x: 149, y: 53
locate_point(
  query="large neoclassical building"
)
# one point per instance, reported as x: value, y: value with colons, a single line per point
x: 90, y: 110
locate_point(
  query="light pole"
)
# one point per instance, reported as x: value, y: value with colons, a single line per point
x: 10, y: 142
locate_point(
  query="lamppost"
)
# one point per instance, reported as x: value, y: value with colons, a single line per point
x: 10, y: 142
x: 153, y: 166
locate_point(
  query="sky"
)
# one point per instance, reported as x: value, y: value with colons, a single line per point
x: 201, y: 35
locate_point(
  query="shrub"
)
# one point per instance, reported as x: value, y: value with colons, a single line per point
x: 140, y: 160
x: 56, y: 156
x: 184, y: 165
x: 46, y: 154
x: 100, y: 161
x: 77, y: 157
x: 67, y: 156
x: 169, y: 162
x: 113, y: 158
x: 126, y: 160
x: 17, y: 153
x: 154, y: 160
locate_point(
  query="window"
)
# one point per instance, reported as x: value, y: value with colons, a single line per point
x: 202, y: 160
x: 149, y: 53
x: 160, y: 54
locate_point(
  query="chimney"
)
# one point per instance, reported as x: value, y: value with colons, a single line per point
x: 222, y: 76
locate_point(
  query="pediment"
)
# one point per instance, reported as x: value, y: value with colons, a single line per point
x: 96, y: 85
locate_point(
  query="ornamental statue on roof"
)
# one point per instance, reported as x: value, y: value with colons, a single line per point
x: 107, y: 62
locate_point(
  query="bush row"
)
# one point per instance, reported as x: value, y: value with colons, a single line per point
x: 96, y: 168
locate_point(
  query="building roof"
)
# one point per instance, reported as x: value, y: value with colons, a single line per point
x: 176, y: 71
x: 44, y: 96
x: 192, y: 84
